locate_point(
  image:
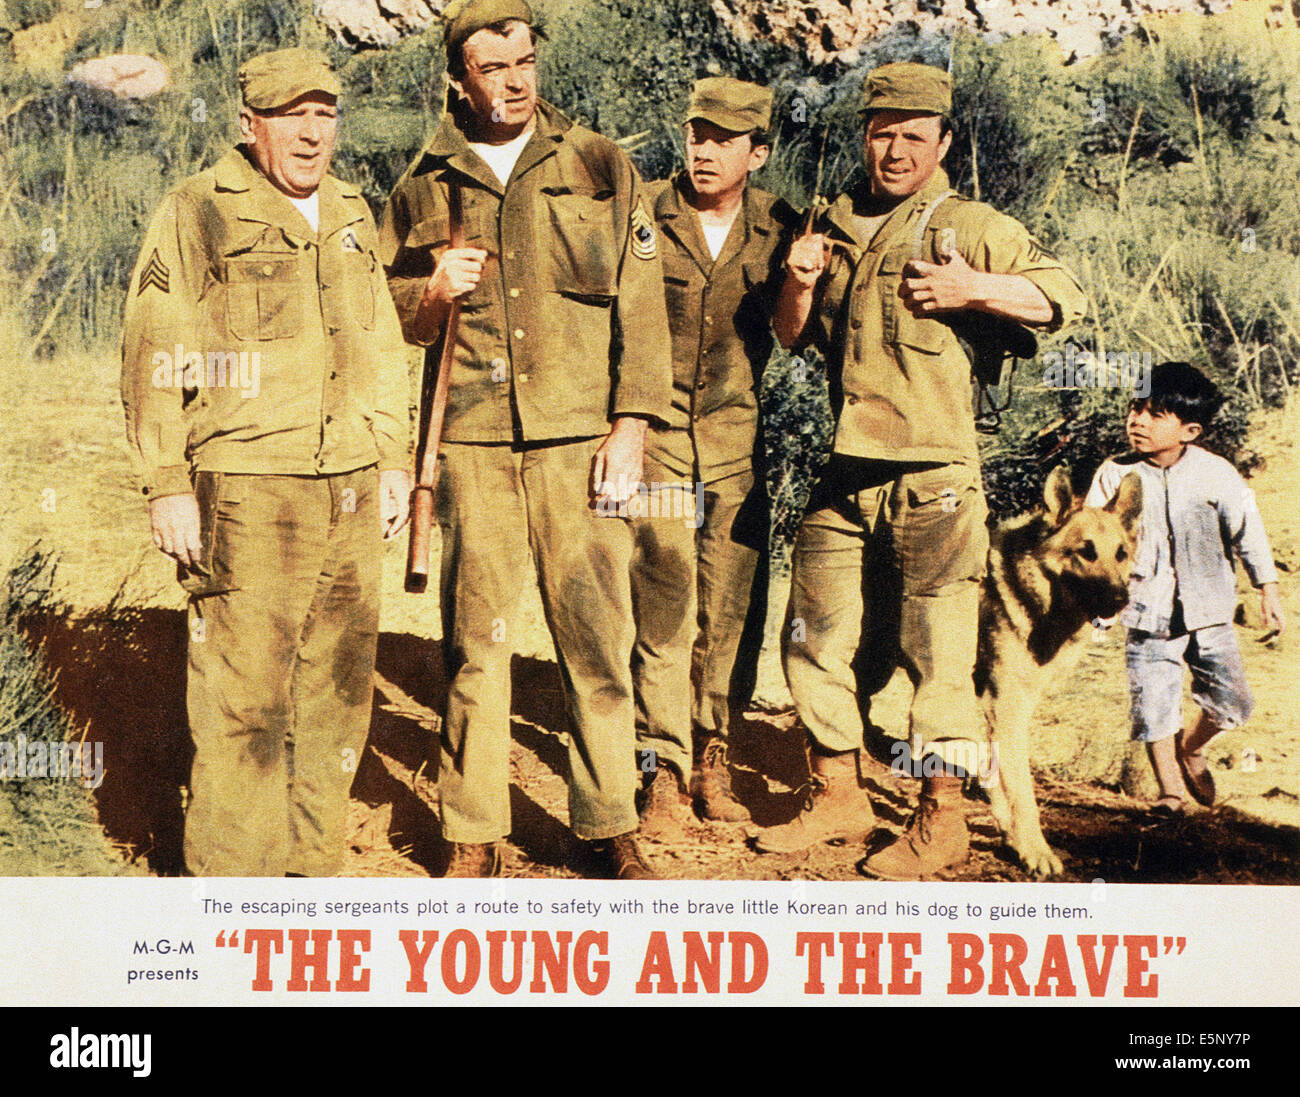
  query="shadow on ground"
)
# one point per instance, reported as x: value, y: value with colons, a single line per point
x: 120, y: 673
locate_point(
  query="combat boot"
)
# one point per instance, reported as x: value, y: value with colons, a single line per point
x: 665, y: 813
x: 474, y: 860
x: 713, y: 790
x: 935, y: 837
x: 619, y: 858
x: 836, y: 808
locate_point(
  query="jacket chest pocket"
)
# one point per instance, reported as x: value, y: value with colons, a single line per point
x: 348, y: 287
x: 682, y: 289
x: 582, y: 243
x: 898, y: 324
x: 263, y: 297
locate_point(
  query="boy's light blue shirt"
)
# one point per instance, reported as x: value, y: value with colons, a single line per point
x: 1197, y: 515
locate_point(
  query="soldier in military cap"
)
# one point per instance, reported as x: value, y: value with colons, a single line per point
x: 267, y: 401
x: 699, y: 573
x: 561, y: 360
x: 889, y: 556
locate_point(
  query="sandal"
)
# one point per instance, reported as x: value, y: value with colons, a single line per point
x: 1197, y: 778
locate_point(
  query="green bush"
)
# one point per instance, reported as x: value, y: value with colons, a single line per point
x: 1152, y: 171
x: 47, y: 826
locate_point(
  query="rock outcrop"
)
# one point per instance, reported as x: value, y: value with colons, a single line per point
x: 126, y: 75
x: 364, y: 23
x: 829, y: 30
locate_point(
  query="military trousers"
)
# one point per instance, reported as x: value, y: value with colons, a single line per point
x: 496, y: 505
x: 696, y: 584
x: 283, y: 630
x: 886, y: 571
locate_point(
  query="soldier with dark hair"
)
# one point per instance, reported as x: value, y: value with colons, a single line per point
x: 560, y: 362
x: 698, y: 582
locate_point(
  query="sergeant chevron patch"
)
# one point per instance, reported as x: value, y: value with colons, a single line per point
x: 644, y: 240
x: 155, y: 274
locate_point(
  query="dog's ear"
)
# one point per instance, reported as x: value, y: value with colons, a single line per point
x: 1058, y: 496
x: 1127, y: 504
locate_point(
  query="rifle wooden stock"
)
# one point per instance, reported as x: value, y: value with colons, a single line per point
x: 433, y: 408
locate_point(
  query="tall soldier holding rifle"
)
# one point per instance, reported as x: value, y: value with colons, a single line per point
x: 559, y: 359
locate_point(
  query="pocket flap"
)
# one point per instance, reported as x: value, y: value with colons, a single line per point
x: 895, y: 260
x: 261, y: 268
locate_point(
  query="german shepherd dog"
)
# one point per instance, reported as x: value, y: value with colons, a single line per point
x: 1049, y: 574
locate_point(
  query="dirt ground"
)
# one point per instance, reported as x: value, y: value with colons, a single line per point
x: 118, y: 654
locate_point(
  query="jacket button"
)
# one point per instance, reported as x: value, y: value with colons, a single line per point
x: 857, y: 323
x: 511, y: 253
x: 514, y: 293
x: 268, y: 270
x: 329, y: 418
x: 853, y: 399
x: 519, y: 333
x: 522, y: 378
x: 700, y: 384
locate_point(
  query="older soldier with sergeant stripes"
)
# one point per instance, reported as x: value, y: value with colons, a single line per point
x: 267, y: 403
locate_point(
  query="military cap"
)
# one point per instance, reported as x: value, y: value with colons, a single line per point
x: 461, y: 18
x: 907, y: 85
x: 273, y: 79
x: 732, y: 104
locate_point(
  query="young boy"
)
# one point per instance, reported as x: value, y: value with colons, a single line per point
x: 1197, y: 515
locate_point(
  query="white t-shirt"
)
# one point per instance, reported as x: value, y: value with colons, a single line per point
x: 309, y: 207
x: 715, y: 236
x: 502, y: 158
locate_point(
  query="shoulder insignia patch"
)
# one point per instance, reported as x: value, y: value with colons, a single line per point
x: 156, y: 274
x: 644, y: 240
x: 1038, y: 253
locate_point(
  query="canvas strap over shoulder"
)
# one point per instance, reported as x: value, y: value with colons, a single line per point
x: 987, y: 340
x: 919, y: 239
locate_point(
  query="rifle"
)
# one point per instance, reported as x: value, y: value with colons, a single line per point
x: 433, y: 407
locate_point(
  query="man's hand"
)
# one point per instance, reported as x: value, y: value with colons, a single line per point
x: 616, y: 469
x: 458, y: 272
x: 928, y: 289
x: 175, y: 526
x: 394, y: 501
x: 807, y: 259
x: 1270, y: 609
x: 803, y: 267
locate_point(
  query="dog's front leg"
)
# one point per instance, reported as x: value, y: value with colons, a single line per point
x: 1024, y: 834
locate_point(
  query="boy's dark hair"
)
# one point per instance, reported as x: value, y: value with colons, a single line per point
x: 1184, y: 391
